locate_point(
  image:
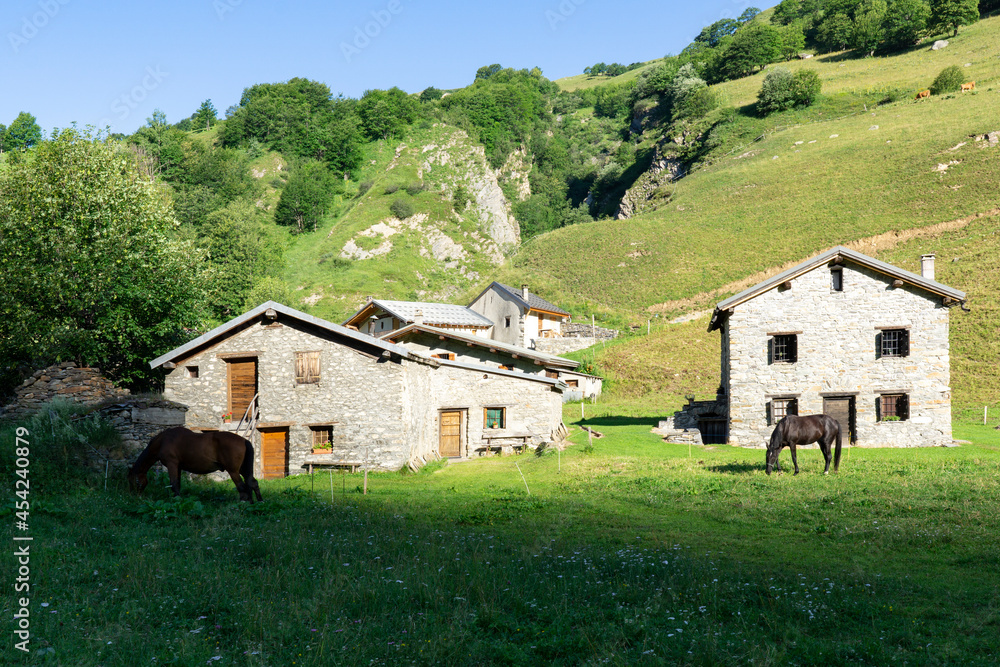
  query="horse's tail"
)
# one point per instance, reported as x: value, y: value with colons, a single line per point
x: 246, y: 468
x: 836, y: 455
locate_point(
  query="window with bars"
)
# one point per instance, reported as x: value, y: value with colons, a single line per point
x: 779, y: 408
x: 784, y: 348
x: 893, y: 407
x: 321, y: 436
x: 495, y: 417
x: 893, y: 343
x: 450, y: 356
x: 306, y: 367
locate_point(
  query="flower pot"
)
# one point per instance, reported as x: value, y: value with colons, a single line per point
x: 321, y: 451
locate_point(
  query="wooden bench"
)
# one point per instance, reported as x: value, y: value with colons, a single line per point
x: 327, y: 461
x: 490, y: 437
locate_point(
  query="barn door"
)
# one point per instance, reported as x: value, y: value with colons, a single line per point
x: 274, y: 453
x: 841, y: 408
x: 451, y: 433
x: 242, y: 385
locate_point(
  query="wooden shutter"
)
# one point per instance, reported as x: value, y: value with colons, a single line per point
x: 878, y: 345
x: 306, y: 367
x: 793, y: 349
x: 904, y: 343
x: 770, y: 350
x: 769, y: 410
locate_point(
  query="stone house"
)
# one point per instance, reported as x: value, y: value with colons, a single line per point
x: 380, y: 316
x: 307, y: 381
x: 842, y: 334
x: 520, y: 317
x: 451, y: 346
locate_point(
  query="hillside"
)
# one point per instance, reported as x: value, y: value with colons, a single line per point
x: 807, y: 182
x: 458, y: 232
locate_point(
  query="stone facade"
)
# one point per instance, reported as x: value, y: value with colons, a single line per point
x: 137, y: 420
x: 382, y: 401
x: 65, y: 381
x: 836, y: 333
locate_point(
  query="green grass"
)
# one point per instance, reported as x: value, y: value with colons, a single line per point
x: 636, y: 552
x: 582, y: 81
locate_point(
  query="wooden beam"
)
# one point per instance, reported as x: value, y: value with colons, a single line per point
x: 897, y: 283
x: 170, y: 365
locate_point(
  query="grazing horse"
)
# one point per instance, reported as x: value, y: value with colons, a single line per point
x: 794, y: 430
x: 200, y: 453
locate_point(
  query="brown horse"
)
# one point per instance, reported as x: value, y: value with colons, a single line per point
x: 794, y: 430
x: 200, y: 453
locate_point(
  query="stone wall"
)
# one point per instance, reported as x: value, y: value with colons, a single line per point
x: 139, y: 419
x: 836, y: 338
x: 66, y: 382
x: 359, y: 393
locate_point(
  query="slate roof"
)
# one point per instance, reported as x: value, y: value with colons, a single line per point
x: 723, y: 307
x: 534, y: 301
x: 434, y: 313
x: 224, y: 329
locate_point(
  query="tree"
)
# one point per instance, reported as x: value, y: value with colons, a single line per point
x: 714, y: 33
x: 430, y: 94
x: 23, y: 133
x: 868, y: 30
x: 792, y: 41
x: 3, y: 132
x: 305, y: 199
x: 242, y: 252
x: 783, y: 90
x: 754, y: 46
x: 905, y: 21
x: 385, y: 113
x: 950, y: 14
x: 786, y: 12
x: 487, y: 71
x: 205, y: 116
x: 88, y: 268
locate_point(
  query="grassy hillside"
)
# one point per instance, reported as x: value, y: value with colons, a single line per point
x: 812, y: 181
x: 582, y: 81
x: 436, y: 254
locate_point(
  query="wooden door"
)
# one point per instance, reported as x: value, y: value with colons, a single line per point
x: 841, y: 408
x: 274, y: 454
x: 242, y: 385
x: 451, y: 433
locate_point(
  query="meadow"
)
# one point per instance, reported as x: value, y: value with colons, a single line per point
x: 623, y: 550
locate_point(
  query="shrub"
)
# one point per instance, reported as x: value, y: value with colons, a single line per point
x: 783, y: 90
x: 392, y: 188
x: 363, y: 187
x: 460, y: 199
x: 948, y: 81
x: 697, y: 104
x: 401, y: 208
x: 415, y: 188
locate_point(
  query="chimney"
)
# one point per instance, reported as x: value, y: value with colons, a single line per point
x: 418, y: 318
x: 927, y: 266
x: 524, y: 292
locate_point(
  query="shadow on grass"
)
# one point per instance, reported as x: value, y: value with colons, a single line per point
x: 736, y: 468
x: 610, y: 420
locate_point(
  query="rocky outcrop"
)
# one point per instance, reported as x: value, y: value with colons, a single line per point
x: 65, y: 381
x: 647, y: 187
x: 464, y: 163
x: 515, y: 172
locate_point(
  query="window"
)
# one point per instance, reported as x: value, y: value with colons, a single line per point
x: 306, y: 367
x: 450, y: 356
x: 321, y: 435
x: 495, y: 417
x: 573, y: 383
x: 552, y: 374
x: 893, y: 343
x: 192, y: 371
x: 506, y: 321
x: 837, y: 280
x: 505, y: 367
x: 779, y: 408
x: 784, y: 348
x: 892, y: 407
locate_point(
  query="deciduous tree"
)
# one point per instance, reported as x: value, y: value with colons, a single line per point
x: 950, y: 14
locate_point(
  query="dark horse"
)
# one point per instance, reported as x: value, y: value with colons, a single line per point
x: 201, y: 453
x: 794, y: 430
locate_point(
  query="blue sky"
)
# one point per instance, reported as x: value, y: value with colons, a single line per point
x: 112, y: 62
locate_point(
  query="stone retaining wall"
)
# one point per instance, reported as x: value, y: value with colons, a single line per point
x: 65, y: 381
